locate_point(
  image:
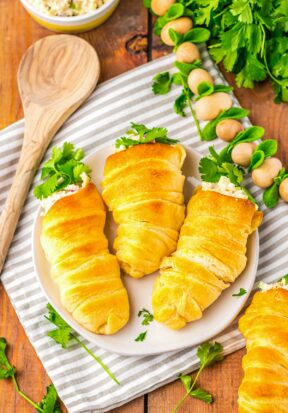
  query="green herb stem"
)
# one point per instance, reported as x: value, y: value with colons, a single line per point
x: 181, y: 401
x: 194, y: 117
x: 97, y: 359
x: 25, y: 397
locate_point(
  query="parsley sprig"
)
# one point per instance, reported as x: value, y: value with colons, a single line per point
x: 215, y: 165
x: 49, y: 404
x: 208, y: 354
x: 64, y: 168
x: 63, y: 334
x: 144, y: 135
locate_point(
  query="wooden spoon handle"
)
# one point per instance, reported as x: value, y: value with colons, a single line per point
x: 30, y: 158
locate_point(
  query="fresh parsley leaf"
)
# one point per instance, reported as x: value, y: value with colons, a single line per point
x: 161, y: 83
x: 6, y: 370
x: 64, y: 333
x: 187, y: 381
x: 64, y: 168
x: 209, y: 170
x: 209, y: 353
x: 147, y: 316
x: 241, y: 292
x: 141, y: 336
x: 180, y: 104
x: 201, y: 394
x: 50, y: 403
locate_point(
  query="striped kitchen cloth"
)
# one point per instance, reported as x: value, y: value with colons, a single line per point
x: 81, y: 384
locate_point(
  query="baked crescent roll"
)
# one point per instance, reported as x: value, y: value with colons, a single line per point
x: 264, y: 388
x: 211, y: 253
x: 88, y: 276
x: 143, y: 187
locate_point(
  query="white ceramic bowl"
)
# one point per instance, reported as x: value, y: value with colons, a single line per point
x: 73, y: 24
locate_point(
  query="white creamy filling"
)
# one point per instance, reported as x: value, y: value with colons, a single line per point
x: 66, y: 8
x: 280, y: 284
x: 47, y: 203
x: 225, y: 187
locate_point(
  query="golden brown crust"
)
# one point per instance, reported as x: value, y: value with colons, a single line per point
x: 211, y: 253
x: 87, y: 275
x: 264, y: 388
x: 143, y: 187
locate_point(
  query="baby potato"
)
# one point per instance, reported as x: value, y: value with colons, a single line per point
x: 187, y: 53
x: 264, y: 175
x: 283, y: 190
x: 209, y: 107
x: 181, y: 26
x: 227, y: 129
x: 160, y: 7
x: 196, y: 77
x: 242, y: 153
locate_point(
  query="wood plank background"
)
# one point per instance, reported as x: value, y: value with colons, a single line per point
x: 124, y: 42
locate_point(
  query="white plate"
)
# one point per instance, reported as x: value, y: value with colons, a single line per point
x: 159, y: 339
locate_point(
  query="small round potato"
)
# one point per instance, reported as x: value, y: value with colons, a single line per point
x: 187, y: 53
x: 283, y: 190
x: 160, y: 7
x: 265, y: 174
x: 242, y: 153
x: 227, y: 129
x: 209, y: 107
x: 196, y: 77
x: 181, y: 26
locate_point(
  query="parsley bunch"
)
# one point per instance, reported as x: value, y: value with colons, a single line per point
x: 208, y: 354
x: 64, y: 168
x: 144, y: 135
x: 63, y: 334
x: 49, y: 404
x: 249, y: 37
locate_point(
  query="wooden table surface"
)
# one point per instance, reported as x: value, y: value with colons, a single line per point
x: 123, y: 42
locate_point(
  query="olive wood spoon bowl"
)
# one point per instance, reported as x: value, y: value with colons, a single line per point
x: 55, y: 76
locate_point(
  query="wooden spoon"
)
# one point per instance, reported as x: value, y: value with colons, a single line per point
x: 55, y: 76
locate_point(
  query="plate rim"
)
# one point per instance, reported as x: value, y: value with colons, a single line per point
x: 147, y: 350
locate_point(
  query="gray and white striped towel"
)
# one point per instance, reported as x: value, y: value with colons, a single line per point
x: 81, y: 384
